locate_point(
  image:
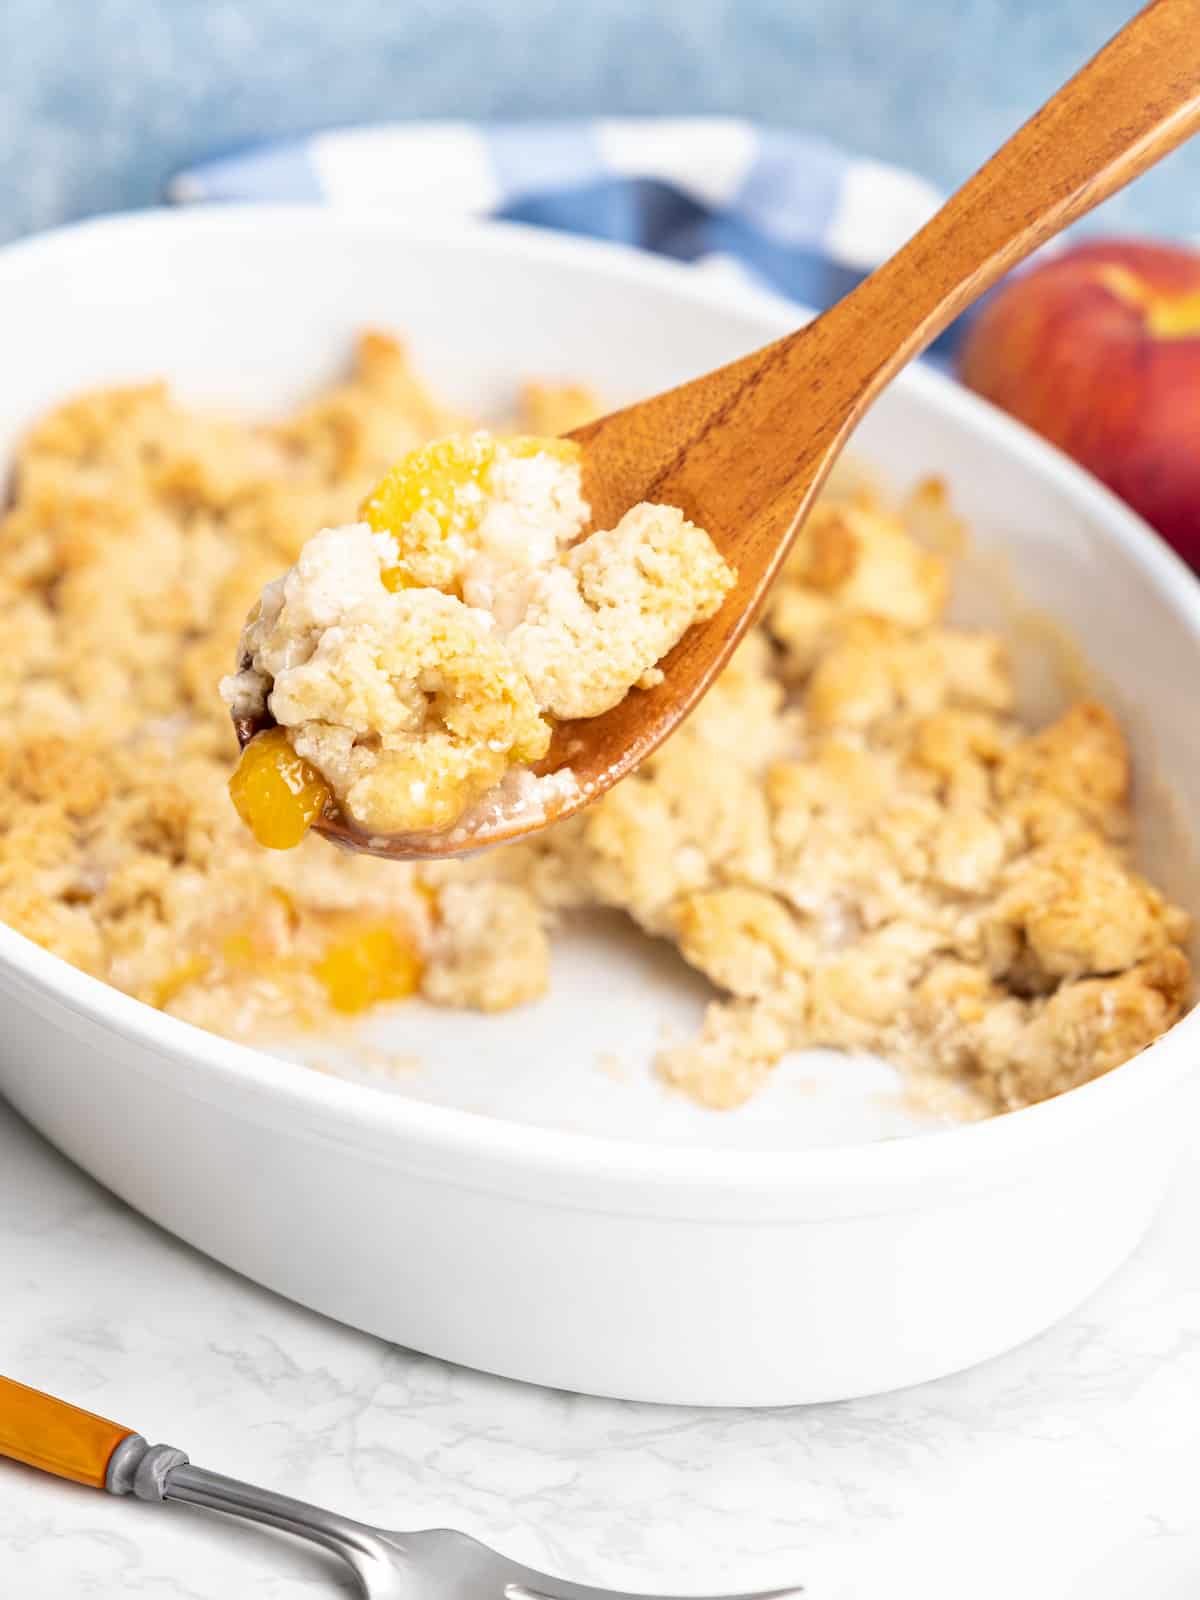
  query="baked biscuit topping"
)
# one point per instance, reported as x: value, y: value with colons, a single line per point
x: 419, y: 657
x: 854, y: 836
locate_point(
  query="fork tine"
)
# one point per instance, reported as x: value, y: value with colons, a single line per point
x: 539, y: 1586
x: 453, y: 1566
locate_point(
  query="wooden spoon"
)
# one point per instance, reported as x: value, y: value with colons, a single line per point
x: 744, y: 450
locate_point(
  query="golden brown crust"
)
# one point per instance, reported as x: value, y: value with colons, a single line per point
x: 139, y: 535
x: 1075, y: 770
x: 853, y: 837
x: 936, y: 884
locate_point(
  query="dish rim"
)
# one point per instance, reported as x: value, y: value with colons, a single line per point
x: 394, y: 1124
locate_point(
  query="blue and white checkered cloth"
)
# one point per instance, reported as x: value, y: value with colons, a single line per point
x: 792, y: 212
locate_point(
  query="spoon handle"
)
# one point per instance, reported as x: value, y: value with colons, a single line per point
x: 1135, y: 101
x: 744, y: 450
x: 695, y: 446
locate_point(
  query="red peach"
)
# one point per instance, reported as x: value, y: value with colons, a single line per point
x: 1099, y: 350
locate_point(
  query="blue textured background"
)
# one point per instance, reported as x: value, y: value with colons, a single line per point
x: 100, y: 100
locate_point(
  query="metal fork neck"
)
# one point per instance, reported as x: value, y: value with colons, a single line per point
x: 357, y: 1543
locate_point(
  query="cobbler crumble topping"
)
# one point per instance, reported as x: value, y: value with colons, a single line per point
x: 855, y: 836
x: 416, y: 661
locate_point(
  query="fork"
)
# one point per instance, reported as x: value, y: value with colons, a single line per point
x: 432, y: 1564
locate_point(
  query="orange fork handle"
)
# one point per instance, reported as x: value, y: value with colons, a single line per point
x: 50, y: 1434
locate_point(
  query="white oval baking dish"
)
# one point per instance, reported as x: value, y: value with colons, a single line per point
x: 679, y: 1272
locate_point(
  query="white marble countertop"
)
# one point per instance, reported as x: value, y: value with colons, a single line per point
x: 1062, y: 1471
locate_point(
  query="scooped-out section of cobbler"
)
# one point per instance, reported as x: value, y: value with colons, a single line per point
x: 415, y: 662
x: 855, y: 837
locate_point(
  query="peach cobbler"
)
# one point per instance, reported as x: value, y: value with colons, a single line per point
x: 855, y: 837
x: 416, y: 661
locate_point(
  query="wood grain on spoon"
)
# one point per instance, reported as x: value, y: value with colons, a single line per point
x: 744, y: 450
